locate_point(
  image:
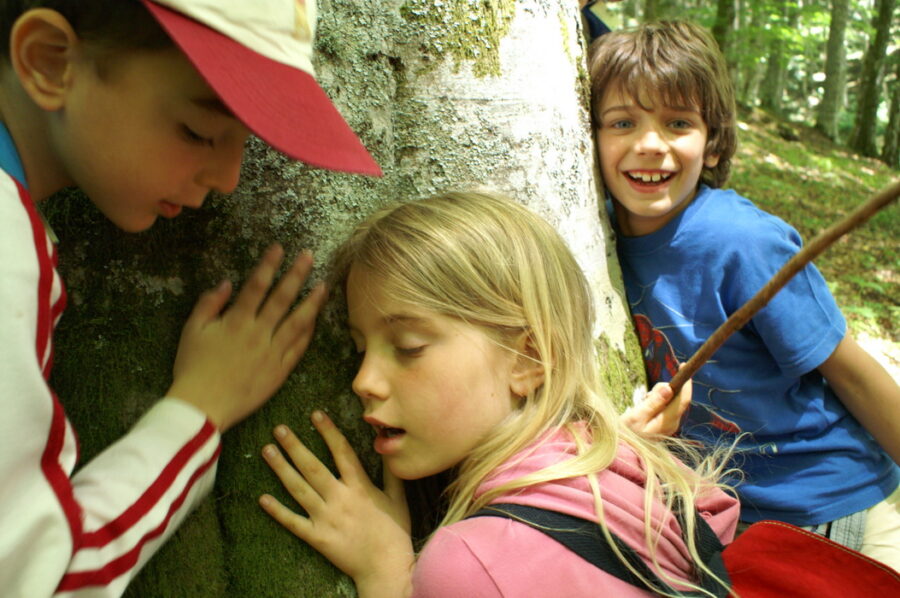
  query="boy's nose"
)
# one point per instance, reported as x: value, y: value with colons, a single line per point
x: 223, y: 170
x: 368, y: 382
x: 650, y: 141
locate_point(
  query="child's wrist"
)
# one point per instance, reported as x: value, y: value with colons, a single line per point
x: 200, y: 402
x: 393, y: 579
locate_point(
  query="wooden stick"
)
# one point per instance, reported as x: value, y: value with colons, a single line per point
x: 808, y: 253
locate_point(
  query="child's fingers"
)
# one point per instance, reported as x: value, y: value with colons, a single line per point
x: 658, y: 398
x: 256, y: 287
x: 285, y: 292
x: 292, y: 480
x: 345, y: 458
x: 318, y: 477
x: 297, y: 524
x: 684, y: 397
x: 210, y: 305
x: 393, y: 486
x: 296, y: 331
x: 396, y: 494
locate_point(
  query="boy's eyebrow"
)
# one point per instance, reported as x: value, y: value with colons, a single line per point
x: 627, y: 107
x: 614, y: 108
x: 213, y: 104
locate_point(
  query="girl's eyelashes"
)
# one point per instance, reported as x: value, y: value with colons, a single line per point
x: 411, y: 351
x: 194, y: 137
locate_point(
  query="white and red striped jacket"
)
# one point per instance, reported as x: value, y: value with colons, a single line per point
x: 88, y: 534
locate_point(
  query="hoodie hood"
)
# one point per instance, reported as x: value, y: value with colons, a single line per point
x: 622, y: 492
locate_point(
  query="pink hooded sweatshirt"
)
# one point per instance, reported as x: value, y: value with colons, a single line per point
x: 490, y: 557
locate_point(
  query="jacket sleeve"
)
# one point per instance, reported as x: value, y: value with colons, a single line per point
x: 86, y: 535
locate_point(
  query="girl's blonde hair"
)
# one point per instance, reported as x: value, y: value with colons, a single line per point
x: 492, y: 263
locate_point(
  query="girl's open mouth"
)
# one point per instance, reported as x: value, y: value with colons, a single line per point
x: 387, y: 439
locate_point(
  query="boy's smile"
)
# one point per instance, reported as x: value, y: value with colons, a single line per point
x: 651, y: 160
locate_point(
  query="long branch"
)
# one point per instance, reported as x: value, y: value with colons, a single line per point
x: 808, y: 253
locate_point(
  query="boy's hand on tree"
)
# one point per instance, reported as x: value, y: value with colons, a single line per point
x: 361, y: 529
x: 229, y: 363
x: 659, y: 413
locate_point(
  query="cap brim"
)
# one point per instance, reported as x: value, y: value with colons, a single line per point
x: 282, y: 105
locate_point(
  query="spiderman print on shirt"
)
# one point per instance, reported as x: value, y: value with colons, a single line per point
x: 661, y: 365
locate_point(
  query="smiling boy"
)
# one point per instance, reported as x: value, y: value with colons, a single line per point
x: 146, y: 106
x: 820, y: 418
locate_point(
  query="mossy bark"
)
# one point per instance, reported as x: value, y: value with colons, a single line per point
x: 441, y: 102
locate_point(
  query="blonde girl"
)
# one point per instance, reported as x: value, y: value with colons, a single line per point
x: 474, y: 324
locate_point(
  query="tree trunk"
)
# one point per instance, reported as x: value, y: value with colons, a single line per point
x: 776, y: 64
x: 723, y: 30
x: 863, y: 137
x: 835, y: 71
x: 891, y: 153
x: 750, y: 70
x: 445, y: 95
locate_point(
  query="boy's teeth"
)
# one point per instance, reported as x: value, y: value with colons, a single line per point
x: 647, y: 177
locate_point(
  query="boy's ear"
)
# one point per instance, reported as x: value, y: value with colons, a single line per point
x: 528, y: 372
x: 711, y: 160
x: 41, y: 52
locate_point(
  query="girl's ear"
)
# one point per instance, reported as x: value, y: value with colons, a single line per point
x: 42, y: 44
x: 711, y: 160
x: 528, y: 371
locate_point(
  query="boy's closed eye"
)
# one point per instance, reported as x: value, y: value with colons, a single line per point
x: 193, y: 136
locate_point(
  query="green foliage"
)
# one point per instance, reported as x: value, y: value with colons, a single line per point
x: 811, y: 184
x: 802, y: 30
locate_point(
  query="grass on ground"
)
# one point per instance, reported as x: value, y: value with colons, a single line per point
x: 811, y: 183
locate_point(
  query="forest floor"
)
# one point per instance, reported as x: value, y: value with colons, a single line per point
x: 797, y: 174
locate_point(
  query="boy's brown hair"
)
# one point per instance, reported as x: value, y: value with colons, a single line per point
x: 111, y: 26
x: 677, y: 62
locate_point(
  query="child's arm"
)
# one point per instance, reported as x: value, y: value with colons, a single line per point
x: 135, y: 494
x: 230, y: 363
x: 362, y: 530
x: 868, y: 391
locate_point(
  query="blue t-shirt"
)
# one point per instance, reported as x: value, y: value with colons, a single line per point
x: 9, y: 157
x: 805, y: 459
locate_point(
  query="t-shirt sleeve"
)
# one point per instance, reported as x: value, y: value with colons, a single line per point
x: 802, y: 324
x: 448, y: 568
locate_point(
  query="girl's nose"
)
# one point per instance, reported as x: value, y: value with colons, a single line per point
x: 370, y: 383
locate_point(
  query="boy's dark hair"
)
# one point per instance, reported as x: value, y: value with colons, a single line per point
x: 676, y: 62
x: 110, y: 26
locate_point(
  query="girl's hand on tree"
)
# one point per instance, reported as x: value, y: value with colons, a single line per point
x: 361, y: 529
x: 229, y: 363
x: 659, y: 413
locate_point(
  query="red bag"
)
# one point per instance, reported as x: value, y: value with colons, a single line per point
x: 770, y: 559
x: 773, y: 558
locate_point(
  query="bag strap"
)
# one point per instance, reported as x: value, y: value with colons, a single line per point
x: 585, y: 538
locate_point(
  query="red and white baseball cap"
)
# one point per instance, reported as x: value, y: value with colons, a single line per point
x: 257, y: 56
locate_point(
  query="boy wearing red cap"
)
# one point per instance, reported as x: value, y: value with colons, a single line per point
x: 146, y: 106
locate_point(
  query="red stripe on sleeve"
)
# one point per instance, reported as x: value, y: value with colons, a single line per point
x: 47, y: 313
x: 115, y: 568
x: 151, y: 496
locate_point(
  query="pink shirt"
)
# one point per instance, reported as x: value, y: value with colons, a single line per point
x: 491, y: 557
